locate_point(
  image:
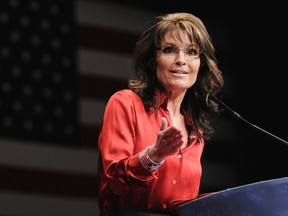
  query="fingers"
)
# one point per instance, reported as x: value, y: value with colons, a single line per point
x: 164, y: 124
x: 169, y: 136
x: 172, y: 135
x: 169, y: 140
x: 168, y: 131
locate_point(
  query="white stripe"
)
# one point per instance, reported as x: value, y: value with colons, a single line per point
x: 48, y: 157
x: 93, y: 62
x: 32, y: 205
x: 112, y: 15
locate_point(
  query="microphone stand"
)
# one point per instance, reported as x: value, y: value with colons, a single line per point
x: 247, y: 122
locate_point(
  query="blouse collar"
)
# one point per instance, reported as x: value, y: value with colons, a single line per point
x: 160, y: 99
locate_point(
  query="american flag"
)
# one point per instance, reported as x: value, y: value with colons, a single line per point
x: 59, y: 63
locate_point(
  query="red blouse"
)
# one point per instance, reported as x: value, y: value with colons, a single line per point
x: 128, y: 129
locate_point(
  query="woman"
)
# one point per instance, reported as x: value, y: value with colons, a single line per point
x: 154, y: 132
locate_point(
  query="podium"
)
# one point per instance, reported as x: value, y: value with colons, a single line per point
x: 264, y: 198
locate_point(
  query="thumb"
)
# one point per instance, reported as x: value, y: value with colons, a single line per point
x: 164, y: 124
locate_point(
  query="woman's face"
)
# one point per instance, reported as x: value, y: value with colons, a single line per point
x: 177, y: 62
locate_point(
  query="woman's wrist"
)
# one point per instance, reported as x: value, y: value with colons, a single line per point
x: 147, y: 162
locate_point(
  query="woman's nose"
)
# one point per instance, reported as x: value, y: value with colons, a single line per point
x: 180, y: 57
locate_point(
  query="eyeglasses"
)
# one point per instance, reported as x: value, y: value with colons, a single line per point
x: 192, y: 52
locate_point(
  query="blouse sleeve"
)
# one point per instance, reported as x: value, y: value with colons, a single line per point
x: 122, y: 168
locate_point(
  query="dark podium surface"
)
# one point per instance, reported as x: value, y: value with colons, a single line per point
x: 265, y: 198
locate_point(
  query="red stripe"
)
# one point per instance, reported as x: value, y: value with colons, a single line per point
x: 97, y: 87
x: 94, y: 37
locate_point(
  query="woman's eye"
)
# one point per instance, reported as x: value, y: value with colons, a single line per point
x: 191, y: 52
x: 168, y: 50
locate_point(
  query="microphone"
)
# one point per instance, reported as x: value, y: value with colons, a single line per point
x: 214, y: 98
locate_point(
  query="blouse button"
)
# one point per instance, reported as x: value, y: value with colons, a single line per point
x: 174, y: 181
x: 164, y: 206
x: 179, y: 155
